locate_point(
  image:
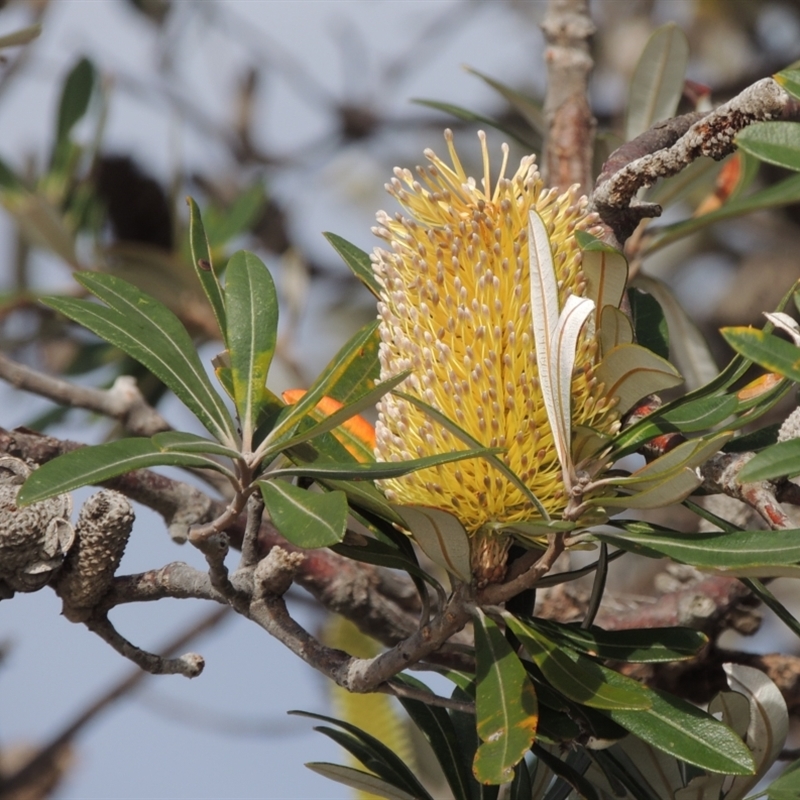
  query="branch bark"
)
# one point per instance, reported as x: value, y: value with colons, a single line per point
x: 568, y: 27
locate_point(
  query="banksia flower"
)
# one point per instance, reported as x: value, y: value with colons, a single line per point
x: 455, y: 310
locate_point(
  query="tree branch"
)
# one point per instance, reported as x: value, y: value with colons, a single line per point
x: 568, y: 27
x: 713, y: 135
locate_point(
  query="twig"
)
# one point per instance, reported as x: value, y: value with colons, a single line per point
x: 498, y: 593
x: 425, y: 696
x: 568, y: 27
x: 123, y: 401
x: 713, y: 135
x: 189, y: 665
x: 255, y: 513
x: 720, y: 476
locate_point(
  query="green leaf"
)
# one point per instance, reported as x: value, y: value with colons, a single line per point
x: 93, y: 465
x: 378, y: 470
x: 641, y: 646
x: 329, y: 423
x: 178, y: 441
x: 528, y: 108
x: 787, y: 787
x: 780, y: 460
x: 649, y: 322
x: 790, y: 80
x: 769, y: 351
x: 372, y: 551
x: 630, y: 372
x: 691, y: 454
x: 358, y: 261
x: 339, y: 371
x: 441, y: 537
x: 307, y: 519
x: 462, y: 435
x: 252, y: 332
x: 689, y: 351
x: 779, y: 194
x: 575, y: 676
x: 380, y: 758
x: 657, y: 83
x: 757, y: 440
x: 458, y: 112
x: 438, y: 729
x: 505, y: 704
x: 150, y: 333
x: 359, y: 780
x: 676, y: 487
x: 222, y: 225
x: 773, y: 604
x: 75, y: 98
x: 715, y: 550
x: 583, y: 788
x: 21, y: 36
x: 684, y: 731
x: 204, y: 267
x: 774, y: 142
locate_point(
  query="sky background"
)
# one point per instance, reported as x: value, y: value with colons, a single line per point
x: 226, y: 734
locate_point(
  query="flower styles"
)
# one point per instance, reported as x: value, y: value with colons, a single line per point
x: 455, y: 310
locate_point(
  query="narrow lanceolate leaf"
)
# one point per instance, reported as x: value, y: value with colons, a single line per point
x: 360, y: 781
x: 548, y: 338
x: 684, y: 731
x: 657, y: 82
x: 790, y: 80
x: 691, y: 454
x: 769, y: 351
x: 774, y: 142
x: 767, y: 724
x: 736, y: 550
x: 307, y: 519
x: 631, y: 372
x: 780, y: 460
x: 644, y: 646
x: 494, y: 460
x: 675, y: 487
x: 575, y: 676
x: 787, y: 787
x: 438, y: 729
x: 349, y: 357
x: 376, y: 470
x: 251, y: 304
x: 204, y: 266
x: 21, y: 36
x: 150, y: 333
x: 358, y: 261
x: 92, y: 465
x: 505, y: 704
x: 441, y: 537
x: 373, y: 754
x: 178, y: 441
x: 344, y: 414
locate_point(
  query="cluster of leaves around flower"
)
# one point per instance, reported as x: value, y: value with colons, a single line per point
x: 538, y: 685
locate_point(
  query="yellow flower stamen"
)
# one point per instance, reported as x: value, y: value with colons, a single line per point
x: 455, y: 310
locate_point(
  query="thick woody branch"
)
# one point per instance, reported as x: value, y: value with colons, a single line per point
x: 571, y: 125
x: 713, y: 136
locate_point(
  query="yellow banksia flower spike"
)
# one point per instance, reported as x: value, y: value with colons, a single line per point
x: 455, y: 310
